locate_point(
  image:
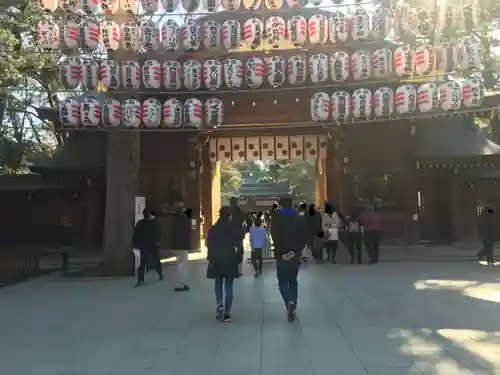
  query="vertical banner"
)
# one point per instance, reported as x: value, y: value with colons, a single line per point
x: 238, y: 148
x: 267, y: 148
x: 224, y: 149
x: 140, y: 205
x: 253, y: 148
x: 296, y: 147
x: 310, y: 147
x: 282, y: 148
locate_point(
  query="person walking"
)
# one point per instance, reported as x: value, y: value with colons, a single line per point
x: 354, y: 237
x: 147, y: 239
x: 314, y: 229
x: 486, y: 233
x: 181, y: 244
x: 372, y: 225
x: 331, y: 224
x: 289, y: 240
x: 258, y: 242
x: 241, y: 221
x: 223, y: 260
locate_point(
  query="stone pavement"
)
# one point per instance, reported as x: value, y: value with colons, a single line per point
x: 400, y: 318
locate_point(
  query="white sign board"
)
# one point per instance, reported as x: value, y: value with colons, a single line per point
x: 140, y: 205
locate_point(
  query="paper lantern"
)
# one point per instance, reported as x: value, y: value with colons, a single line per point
x: 110, y: 74
x: 275, y: 70
x: 212, y: 74
x: 151, y: 74
x: 69, y: 112
x: 111, y: 113
x: 211, y: 35
x: 129, y: 6
x: 253, y: 32
x: 149, y: 6
x: 68, y: 6
x: 360, y: 29
x: 234, y: 70
x: 402, y: 24
x: 91, y: 35
x: 131, y: 113
x: 255, y: 70
x: 231, y: 34
x: 405, y: 99
x: 426, y: 21
x: 297, y: 30
x: 90, y: 112
x: 450, y: 96
x: 109, y: 6
x: 131, y: 36
x: 338, y: 27
x: 361, y: 65
x: 252, y: 4
x: 317, y: 29
x: 383, y: 102
x: 190, y: 36
x: 90, y: 74
x: 341, y: 106
x: 340, y: 67
x: 192, y: 75
x: 403, y: 61
x: 423, y: 59
x: 172, y: 113
x: 48, y: 33
x: 231, y: 5
x: 297, y: 70
x: 170, y: 36
x: 151, y: 113
x: 320, y: 107
x: 275, y: 31
x: 193, y: 113
x: 211, y: 5
x: 110, y: 35
x: 214, y: 112
x: 131, y: 75
x: 382, y: 23
x: 170, y: 5
x: 273, y: 4
x: 318, y: 68
x: 361, y: 104
x: 48, y: 5
x: 70, y: 35
x: 469, y: 52
x: 472, y: 92
x: 382, y: 63
x: 90, y: 6
x: 447, y: 57
x: 70, y: 72
x: 294, y: 3
x: 427, y: 97
x: 172, y: 75
x: 150, y: 36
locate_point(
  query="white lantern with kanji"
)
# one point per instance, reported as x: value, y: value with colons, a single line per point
x: 70, y: 34
x: 450, y: 96
x: 338, y: 27
x: 131, y: 75
x: 192, y: 75
x: 212, y: 74
x: 193, y: 113
x: 231, y: 34
x: 90, y: 112
x: 360, y: 29
x: 361, y: 65
x: 383, y: 102
x: 214, y: 112
x: 297, y: 70
x: 382, y: 63
x: 70, y: 72
x: 320, y: 107
x: 130, y: 36
x: 172, y: 75
x: 111, y: 113
x: 91, y: 34
x: 110, y: 74
x: 69, y: 112
x: 151, y: 113
x: 190, y: 36
x: 275, y: 70
x: 90, y: 74
x: 447, y: 57
x: 469, y: 52
x: 403, y: 61
x: 110, y: 35
x: 170, y: 6
x: 318, y: 68
x: 152, y: 74
x: 150, y: 36
x: 382, y: 23
x: 211, y: 5
x: 427, y: 97
x: 109, y: 6
x: 275, y: 31
x: 361, y: 104
x: 253, y: 32
x: 234, y: 71
x: 211, y: 35
x: 423, y: 59
x: 47, y: 5
x: 340, y: 67
x: 296, y: 30
x: 405, y: 99
x: 231, y: 5
x: 252, y: 5
x: 131, y: 113
x: 170, y: 36
x: 172, y: 113
x: 255, y: 71
x: 48, y: 33
x: 149, y: 6
x: 472, y: 92
x: 341, y: 106
x: 317, y: 29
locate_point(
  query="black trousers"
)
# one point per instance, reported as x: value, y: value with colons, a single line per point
x: 287, y: 272
x: 331, y: 249
x: 487, y: 250
x: 354, y: 243
x: 372, y: 239
x: 154, y: 260
x: 257, y: 259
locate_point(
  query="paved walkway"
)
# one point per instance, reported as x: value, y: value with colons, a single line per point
x: 389, y: 319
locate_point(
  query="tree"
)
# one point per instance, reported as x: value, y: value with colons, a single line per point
x: 230, y: 179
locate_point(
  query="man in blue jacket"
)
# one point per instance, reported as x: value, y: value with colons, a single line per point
x: 289, y: 240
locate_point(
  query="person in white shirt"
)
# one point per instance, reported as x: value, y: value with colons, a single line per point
x: 331, y: 224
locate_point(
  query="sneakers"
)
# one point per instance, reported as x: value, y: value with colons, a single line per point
x: 219, y: 314
x: 257, y: 274
x: 291, y: 310
x: 181, y: 288
x: 226, y: 317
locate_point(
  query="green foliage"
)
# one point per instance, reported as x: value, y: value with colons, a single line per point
x: 230, y: 179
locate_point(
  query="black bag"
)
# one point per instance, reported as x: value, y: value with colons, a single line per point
x: 210, y: 271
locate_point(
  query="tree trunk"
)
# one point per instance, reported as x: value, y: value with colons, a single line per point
x: 122, y: 167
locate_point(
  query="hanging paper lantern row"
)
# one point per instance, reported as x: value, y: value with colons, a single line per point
x: 91, y: 112
x: 407, y: 99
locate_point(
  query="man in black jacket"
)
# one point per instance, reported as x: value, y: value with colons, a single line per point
x: 147, y: 240
x: 241, y: 220
x: 289, y: 240
x: 487, y: 233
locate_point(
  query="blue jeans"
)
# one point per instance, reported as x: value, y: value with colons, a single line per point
x: 228, y: 295
x: 287, y: 272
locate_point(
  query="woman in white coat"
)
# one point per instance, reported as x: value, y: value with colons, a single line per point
x: 331, y: 225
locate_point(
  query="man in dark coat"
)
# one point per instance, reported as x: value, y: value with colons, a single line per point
x: 181, y: 243
x: 241, y: 221
x: 487, y: 233
x: 289, y: 240
x: 147, y: 240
